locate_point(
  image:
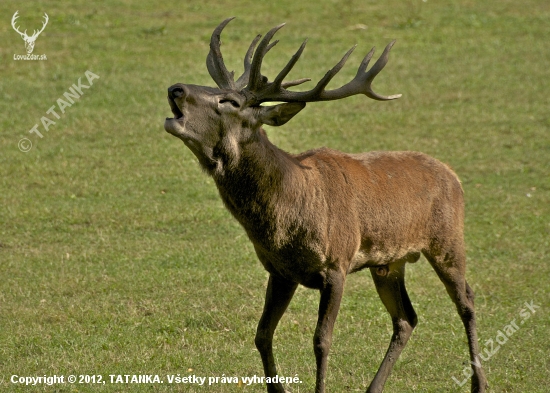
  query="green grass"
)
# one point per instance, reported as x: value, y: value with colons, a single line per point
x: 117, y: 256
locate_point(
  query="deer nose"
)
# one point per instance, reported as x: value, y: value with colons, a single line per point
x: 177, y: 91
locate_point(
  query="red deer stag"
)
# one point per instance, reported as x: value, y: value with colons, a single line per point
x: 317, y: 216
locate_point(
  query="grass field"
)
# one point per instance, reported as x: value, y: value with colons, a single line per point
x: 118, y: 257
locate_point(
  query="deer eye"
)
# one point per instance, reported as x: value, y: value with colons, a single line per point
x: 234, y: 103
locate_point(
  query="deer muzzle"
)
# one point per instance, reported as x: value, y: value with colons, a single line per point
x: 175, y: 92
x: 176, y: 125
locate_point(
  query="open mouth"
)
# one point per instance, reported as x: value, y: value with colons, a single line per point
x: 175, y: 125
x: 178, y: 115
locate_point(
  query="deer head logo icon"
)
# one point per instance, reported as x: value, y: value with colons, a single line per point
x: 29, y: 40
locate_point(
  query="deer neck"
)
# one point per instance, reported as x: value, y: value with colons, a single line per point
x: 253, y: 180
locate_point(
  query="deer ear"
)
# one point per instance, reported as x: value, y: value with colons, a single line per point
x: 277, y: 115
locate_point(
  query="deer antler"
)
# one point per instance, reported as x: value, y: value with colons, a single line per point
x: 216, y: 67
x: 13, y: 19
x: 260, y: 90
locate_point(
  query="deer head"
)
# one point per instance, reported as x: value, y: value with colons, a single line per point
x: 29, y: 41
x: 210, y: 120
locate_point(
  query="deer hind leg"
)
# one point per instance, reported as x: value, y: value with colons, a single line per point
x: 392, y: 292
x: 278, y: 295
x: 450, y: 266
x: 331, y: 295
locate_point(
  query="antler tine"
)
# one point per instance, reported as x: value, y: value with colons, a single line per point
x: 263, y: 88
x: 216, y: 66
x: 263, y: 48
x: 293, y: 60
x: 375, y: 70
x: 294, y: 83
x: 214, y: 60
x: 243, y: 79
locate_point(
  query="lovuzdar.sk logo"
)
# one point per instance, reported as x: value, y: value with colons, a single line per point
x: 29, y: 40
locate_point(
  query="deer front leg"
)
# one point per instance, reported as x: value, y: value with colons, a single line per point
x: 331, y: 295
x: 278, y: 295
